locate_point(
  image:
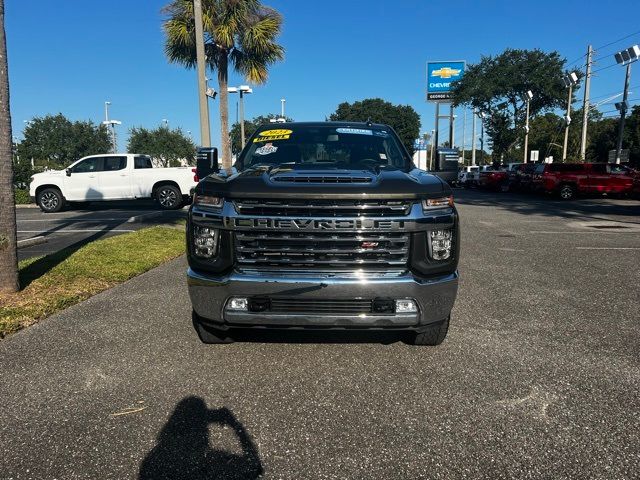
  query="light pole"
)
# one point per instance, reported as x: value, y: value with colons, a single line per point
x: 242, y: 90
x: 282, y: 101
x: 528, y: 97
x: 430, y: 163
x: 111, y: 123
x: 473, y: 138
x: 481, y: 138
x: 625, y: 57
x: 570, y: 80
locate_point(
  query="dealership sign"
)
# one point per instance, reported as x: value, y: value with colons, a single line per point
x: 440, y: 76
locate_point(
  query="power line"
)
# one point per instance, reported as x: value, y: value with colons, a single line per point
x: 619, y: 40
x: 603, y: 68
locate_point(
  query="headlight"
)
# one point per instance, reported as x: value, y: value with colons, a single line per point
x: 205, y: 241
x: 433, y: 203
x: 207, y: 200
x: 440, y: 244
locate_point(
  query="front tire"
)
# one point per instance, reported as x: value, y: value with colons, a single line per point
x: 168, y: 197
x: 50, y: 200
x: 567, y: 192
x: 433, y: 335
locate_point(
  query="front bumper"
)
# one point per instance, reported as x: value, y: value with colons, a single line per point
x: 209, y: 295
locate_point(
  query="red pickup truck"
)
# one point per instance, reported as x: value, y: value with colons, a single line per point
x: 569, y: 179
x: 494, y: 179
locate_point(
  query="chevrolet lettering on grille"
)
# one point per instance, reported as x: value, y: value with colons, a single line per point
x: 308, y: 224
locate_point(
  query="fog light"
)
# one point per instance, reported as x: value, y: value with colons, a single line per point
x: 440, y: 244
x: 238, y: 303
x: 205, y: 241
x: 406, y: 306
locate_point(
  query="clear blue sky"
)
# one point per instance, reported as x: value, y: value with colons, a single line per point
x: 70, y: 56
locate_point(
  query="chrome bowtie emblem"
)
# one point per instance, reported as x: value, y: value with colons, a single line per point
x: 369, y: 244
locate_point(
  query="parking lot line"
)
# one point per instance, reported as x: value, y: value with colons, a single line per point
x: 78, y: 231
x: 574, y: 232
x: 608, y: 248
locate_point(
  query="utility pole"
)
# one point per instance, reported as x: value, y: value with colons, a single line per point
x: 205, y: 130
x: 473, y: 138
x: 625, y: 57
x: 430, y: 163
x: 464, y: 126
x: 623, y: 111
x: 570, y: 80
x: 585, y: 105
x: 528, y: 96
x: 481, y: 138
x: 451, y: 126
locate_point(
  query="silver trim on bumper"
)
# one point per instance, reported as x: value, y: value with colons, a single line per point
x: 209, y: 294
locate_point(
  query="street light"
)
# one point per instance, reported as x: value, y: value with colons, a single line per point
x: 625, y: 57
x: 111, y: 123
x: 528, y: 96
x: 242, y: 90
x: 569, y: 80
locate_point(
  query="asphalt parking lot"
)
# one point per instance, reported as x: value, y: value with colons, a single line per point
x: 81, y: 224
x: 538, y: 378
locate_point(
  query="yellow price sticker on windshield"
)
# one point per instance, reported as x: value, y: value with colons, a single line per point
x: 275, y: 133
x: 271, y: 138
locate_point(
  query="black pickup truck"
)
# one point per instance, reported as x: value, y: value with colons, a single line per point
x: 324, y: 225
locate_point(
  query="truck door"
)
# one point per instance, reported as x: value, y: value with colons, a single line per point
x: 597, y: 179
x: 620, y: 179
x: 115, y: 178
x: 82, y: 183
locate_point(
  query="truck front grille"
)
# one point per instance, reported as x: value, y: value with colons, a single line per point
x: 323, y: 208
x: 334, y: 250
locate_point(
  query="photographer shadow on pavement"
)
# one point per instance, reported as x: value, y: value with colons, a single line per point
x: 184, y: 450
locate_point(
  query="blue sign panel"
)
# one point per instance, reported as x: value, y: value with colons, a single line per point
x: 440, y: 76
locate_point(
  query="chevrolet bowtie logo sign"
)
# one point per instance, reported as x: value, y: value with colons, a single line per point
x: 446, y: 72
x: 441, y: 76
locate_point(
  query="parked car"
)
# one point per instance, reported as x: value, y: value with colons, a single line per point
x: 521, y: 176
x: 465, y: 175
x: 112, y: 177
x: 569, y: 179
x: 494, y: 180
x: 474, y: 176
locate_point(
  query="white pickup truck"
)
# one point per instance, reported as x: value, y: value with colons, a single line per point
x: 112, y: 177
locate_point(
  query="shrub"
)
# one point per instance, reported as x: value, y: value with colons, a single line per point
x: 22, y: 196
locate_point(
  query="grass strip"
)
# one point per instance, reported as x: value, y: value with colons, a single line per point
x: 57, y: 281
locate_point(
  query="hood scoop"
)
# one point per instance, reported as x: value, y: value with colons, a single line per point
x: 310, y: 179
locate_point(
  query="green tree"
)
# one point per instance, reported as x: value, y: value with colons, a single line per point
x: 250, y: 126
x: 167, y: 146
x: 8, y: 237
x: 55, y: 141
x: 237, y: 32
x: 402, y: 118
x: 496, y: 85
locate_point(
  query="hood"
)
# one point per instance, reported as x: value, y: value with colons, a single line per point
x: 49, y: 173
x: 330, y: 183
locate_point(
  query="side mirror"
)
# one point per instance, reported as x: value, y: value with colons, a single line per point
x: 206, y: 161
x: 68, y: 172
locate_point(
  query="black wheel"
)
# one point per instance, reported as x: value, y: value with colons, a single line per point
x: 169, y: 197
x: 207, y: 334
x: 567, y: 192
x: 434, y: 335
x: 50, y: 200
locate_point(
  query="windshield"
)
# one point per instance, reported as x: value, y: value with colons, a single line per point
x: 324, y: 147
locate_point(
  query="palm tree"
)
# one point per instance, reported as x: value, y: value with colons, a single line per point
x: 8, y: 247
x: 237, y: 32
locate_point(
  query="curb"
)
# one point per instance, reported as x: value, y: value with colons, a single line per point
x: 30, y: 242
x: 29, y: 205
x: 143, y: 217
